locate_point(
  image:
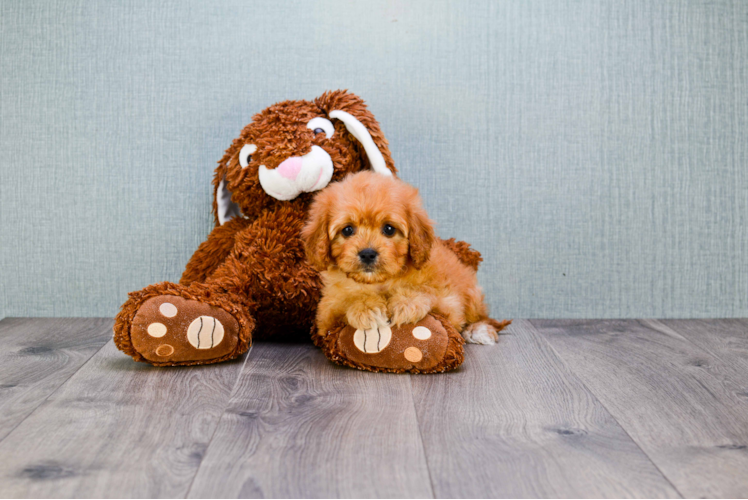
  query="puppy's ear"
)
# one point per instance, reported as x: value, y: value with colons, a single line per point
x: 315, y: 236
x: 421, y: 233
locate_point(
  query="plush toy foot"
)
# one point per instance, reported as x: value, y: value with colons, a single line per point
x: 168, y: 330
x: 430, y: 346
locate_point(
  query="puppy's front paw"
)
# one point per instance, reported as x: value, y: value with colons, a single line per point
x: 408, y: 310
x: 364, y: 318
x: 480, y: 333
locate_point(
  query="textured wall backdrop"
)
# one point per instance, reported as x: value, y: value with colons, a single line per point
x: 595, y: 152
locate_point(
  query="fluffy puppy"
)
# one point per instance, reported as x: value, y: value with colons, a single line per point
x: 381, y: 263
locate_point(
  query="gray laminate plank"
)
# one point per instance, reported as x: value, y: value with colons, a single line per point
x: 117, y: 428
x: 38, y: 355
x: 299, y: 426
x: 727, y: 339
x: 515, y: 422
x: 682, y: 405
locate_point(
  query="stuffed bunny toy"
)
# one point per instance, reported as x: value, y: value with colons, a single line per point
x: 250, y: 279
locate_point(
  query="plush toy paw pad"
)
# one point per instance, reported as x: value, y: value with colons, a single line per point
x: 156, y: 330
x: 171, y: 329
x: 413, y: 354
x: 421, y: 333
x: 165, y: 350
x: 206, y: 332
x: 407, y: 347
x: 168, y: 309
x: 372, y: 341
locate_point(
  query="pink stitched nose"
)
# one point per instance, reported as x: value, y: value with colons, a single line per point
x: 290, y: 167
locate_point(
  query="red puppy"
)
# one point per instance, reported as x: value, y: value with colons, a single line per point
x: 381, y: 263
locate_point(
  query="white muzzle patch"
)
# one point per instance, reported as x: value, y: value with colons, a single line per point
x: 298, y: 174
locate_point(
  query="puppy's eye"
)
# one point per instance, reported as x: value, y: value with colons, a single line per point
x: 318, y: 131
x: 388, y: 230
x: 348, y: 231
x: 245, y: 155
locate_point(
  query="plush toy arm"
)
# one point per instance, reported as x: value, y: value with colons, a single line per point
x: 467, y: 255
x: 213, y: 252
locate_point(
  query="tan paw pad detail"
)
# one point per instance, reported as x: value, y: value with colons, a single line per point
x: 168, y: 310
x: 205, y: 332
x: 157, y: 330
x: 165, y: 350
x: 373, y: 340
x: 413, y: 354
x: 421, y: 333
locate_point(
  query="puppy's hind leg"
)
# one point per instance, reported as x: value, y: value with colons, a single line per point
x: 484, y: 332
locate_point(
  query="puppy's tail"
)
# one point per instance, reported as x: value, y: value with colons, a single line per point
x: 499, y: 325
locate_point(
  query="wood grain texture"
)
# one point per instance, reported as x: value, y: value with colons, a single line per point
x: 726, y: 339
x: 515, y: 422
x: 685, y: 407
x: 563, y: 408
x: 117, y: 429
x: 299, y: 426
x: 38, y: 356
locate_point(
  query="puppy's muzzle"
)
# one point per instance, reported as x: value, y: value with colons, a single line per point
x: 368, y: 256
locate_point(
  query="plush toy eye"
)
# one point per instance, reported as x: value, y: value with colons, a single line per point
x: 319, y: 125
x: 245, y: 155
x: 348, y: 231
x: 388, y: 230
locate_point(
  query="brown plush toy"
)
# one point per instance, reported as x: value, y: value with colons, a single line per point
x: 250, y: 279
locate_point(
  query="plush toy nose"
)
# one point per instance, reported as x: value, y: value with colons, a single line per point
x: 290, y: 167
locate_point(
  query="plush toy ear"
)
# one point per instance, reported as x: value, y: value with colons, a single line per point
x: 357, y: 130
x: 315, y: 232
x: 224, y: 208
x: 420, y: 234
x: 360, y: 122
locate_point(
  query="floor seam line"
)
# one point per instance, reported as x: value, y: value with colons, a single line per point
x: 594, y: 395
x: 220, y: 418
x: 647, y: 322
x: 420, y: 435
x: 54, y: 391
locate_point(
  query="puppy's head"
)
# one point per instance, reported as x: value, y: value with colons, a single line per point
x: 369, y: 226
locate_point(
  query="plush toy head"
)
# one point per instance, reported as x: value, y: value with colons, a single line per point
x: 294, y: 148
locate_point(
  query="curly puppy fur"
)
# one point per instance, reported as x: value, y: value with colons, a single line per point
x: 382, y: 264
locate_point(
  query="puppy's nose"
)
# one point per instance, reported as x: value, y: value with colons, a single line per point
x: 368, y: 255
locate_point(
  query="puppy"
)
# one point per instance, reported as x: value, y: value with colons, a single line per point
x: 382, y: 265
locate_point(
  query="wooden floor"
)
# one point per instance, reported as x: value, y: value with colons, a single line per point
x: 559, y: 408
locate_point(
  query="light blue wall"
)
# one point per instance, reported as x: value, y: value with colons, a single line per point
x: 595, y: 152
